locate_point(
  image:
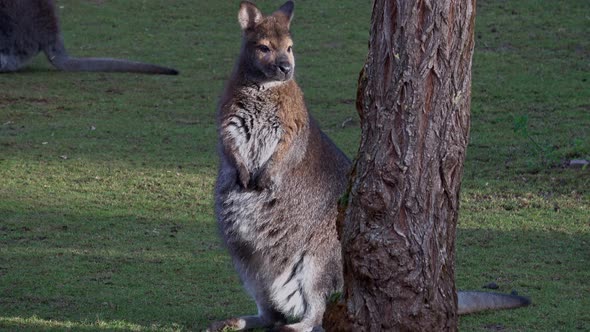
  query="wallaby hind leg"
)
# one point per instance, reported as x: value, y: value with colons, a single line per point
x: 315, y: 303
x: 10, y: 63
x: 56, y: 53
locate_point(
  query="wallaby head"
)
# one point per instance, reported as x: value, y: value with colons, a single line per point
x: 267, y: 50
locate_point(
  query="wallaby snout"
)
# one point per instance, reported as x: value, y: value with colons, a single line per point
x: 285, y: 66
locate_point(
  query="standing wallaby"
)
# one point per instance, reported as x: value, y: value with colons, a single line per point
x: 278, y: 185
x: 28, y: 27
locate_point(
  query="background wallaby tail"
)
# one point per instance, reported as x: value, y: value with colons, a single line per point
x: 58, y: 56
x: 472, y: 301
x: 111, y: 65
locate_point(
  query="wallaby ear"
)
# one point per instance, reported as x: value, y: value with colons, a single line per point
x: 249, y: 15
x: 287, y: 10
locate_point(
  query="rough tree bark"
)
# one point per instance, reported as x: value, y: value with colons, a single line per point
x: 398, y: 228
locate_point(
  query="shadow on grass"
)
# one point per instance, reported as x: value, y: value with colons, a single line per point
x: 127, y: 273
x: 35, y: 323
x: 84, y: 270
x: 550, y: 267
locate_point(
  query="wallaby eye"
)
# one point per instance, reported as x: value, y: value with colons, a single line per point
x: 263, y: 48
x: 290, y: 49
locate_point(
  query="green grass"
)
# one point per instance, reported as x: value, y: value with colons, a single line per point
x: 106, y: 219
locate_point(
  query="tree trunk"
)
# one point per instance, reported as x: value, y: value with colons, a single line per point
x: 398, y: 229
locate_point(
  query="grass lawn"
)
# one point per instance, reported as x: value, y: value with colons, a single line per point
x: 106, y: 212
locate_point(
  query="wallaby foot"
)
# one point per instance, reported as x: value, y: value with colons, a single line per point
x: 270, y: 321
x: 238, y: 324
x: 235, y: 324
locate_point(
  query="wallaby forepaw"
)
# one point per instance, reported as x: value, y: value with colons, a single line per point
x: 245, y: 179
x: 264, y: 181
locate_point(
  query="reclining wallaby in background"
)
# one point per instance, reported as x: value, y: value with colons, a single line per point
x: 278, y: 185
x: 28, y: 27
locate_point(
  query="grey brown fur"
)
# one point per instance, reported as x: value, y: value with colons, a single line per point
x: 278, y: 185
x: 472, y: 301
x: 28, y: 27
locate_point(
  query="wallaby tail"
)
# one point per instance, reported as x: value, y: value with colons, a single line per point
x: 111, y: 65
x: 58, y: 56
x: 473, y: 301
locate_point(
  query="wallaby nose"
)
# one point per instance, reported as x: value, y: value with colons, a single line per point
x: 285, y: 67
